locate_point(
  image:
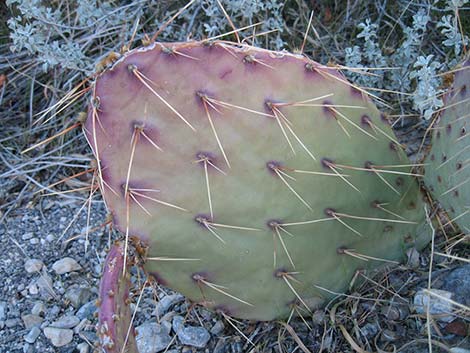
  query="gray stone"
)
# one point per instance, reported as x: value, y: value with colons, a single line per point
x: 459, y: 350
x: 458, y: 283
x: 178, y: 322
x: 30, y: 320
x: 27, y: 236
x: 66, y: 321
x: 165, y: 303
x: 77, y: 295
x: 10, y: 323
x: 59, y: 337
x: 65, y: 265
x: 87, y: 310
x: 441, y: 309
x: 369, y: 330
x: 218, y: 328
x: 152, y: 337
x: 33, y: 265
x: 83, y: 347
x: 32, y: 335
x: 3, y: 311
x: 39, y: 308
x: 44, y: 283
x: 193, y: 336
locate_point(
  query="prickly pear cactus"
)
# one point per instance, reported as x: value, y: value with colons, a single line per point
x: 115, y: 330
x: 261, y: 181
x: 447, y: 169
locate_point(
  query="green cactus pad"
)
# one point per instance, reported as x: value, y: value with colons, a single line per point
x: 261, y: 181
x: 448, y: 162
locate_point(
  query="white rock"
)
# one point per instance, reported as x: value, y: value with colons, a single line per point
x: 33, y: 265
x: 152, y: 337
x: 439, y: 307
x: 59, y: 336
x: 65, y: 265
x: 66, y: 321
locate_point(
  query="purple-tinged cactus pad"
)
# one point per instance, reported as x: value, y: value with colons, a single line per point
x: 448, y: 162
x: 261, y: 181
x: 114, y: 319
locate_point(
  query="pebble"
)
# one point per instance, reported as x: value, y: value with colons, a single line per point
x: 165, y: 303
x: 31, y: 320
x: 65, y: 265
x: 39, y: 308
x: 11, y: 323
x: 33, y: 265
x: 369, y: 330
x: 459, y: 350
x: 152, y: 337
x: 44, y: 283
x: 193, y: 336
x: 32, y: 335
x: 27, y: 236
x: 83, y: 347
x: 34, y: 241
x: 77, y: 295
x: 87, y: 310
x: 33, y: 289
x: 3, y: 311
x: 66, y: 321
x: 440, y: 308
x: 458, y: 283
x: 59, y: 337
x: 50, y: 238
x: 218, y: 328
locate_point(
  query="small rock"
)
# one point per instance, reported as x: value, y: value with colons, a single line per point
x: 30, y: 320
x: 33, y: 265
x: 77, y: 295
x: 10, y: 323
x: 83, y: 347
x: 87, y: 310
x: 440, y: 308
x: 33, y: 289
x: 152, y: 337
x: 50, y: 238
x: 217, y: 328
x: 458, y: 283
x: 39, y: 308
x: 165, y: 303
x: 27, y: 236
x: 177, y: 322
x: 66, y: 321
x: 369, y: 330
x: 413, y: 258
x: 65, y: 265
x: 193, y: 336
x: 459, y: 350
x: 34, y: 241
x: 59, y: 336
x: 3, y: 311
x: 44, y: 283
x: 32, y: 335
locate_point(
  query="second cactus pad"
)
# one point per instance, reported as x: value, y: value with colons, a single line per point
x: 261, y: 181
x: 448, y: 161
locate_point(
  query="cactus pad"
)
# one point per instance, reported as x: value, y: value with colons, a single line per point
x: 115, y: 330
x: 448, y: 162
x: 261, y: 181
